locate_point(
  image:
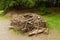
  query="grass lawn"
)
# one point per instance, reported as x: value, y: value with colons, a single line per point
x: 53, y: 21
x: 4, y: 18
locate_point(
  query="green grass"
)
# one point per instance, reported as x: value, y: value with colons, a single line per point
x: 53, y: 21
x: 4, y: 18
x: 1, y: 12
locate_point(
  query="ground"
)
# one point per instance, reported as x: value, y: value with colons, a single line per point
x: 7, y: 34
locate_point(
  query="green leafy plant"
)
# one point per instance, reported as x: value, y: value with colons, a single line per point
x: 5, y: 4
x: 43, y: 11
x: 1, y: 12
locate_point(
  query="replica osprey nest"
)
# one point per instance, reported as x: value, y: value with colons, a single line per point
x: 29, y: 22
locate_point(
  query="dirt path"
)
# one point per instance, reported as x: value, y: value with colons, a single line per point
x: 6, y: 34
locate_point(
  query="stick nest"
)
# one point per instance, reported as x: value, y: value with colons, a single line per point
x: 28, y: 22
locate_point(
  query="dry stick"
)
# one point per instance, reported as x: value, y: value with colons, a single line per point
x: 37, y: 32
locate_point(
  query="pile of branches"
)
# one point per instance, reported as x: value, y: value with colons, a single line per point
x: 29, y: 22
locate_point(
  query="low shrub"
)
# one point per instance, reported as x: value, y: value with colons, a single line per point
x: 1, y: 12
x: 43, y: 11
